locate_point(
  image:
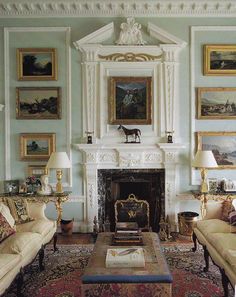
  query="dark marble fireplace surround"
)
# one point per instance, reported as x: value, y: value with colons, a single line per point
x: 145, y: 184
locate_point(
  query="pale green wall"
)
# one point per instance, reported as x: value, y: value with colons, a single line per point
x: 80, y: 27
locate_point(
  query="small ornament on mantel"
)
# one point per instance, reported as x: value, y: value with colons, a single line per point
x: 89, y: 137
x: 169, y: 135
x: 130, y: 33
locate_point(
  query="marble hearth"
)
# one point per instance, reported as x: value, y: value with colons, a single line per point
x: 121, y: 157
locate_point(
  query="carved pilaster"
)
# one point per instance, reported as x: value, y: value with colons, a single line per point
x: 89, y: 96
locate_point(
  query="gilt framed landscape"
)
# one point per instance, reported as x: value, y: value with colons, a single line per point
x: 38, y: 103
x: 216, y: 103
x: 37, y: 146
x: 37, y: 63
x: 223, y: 146
x: 130, y: 100
x: 219, y: 59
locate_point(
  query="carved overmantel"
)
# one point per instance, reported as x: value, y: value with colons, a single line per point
x: 160, y: 60
x: 129, y: 55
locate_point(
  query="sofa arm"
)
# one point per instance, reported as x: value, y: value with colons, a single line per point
x: 36, y: 210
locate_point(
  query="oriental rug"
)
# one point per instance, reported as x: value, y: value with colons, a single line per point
x: 63, y: 270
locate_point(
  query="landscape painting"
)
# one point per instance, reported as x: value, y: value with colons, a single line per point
x: 223, y: 146
x: 38, y: 103
x: 37, y: 146
x: 216, y: 103
x: 37, y: 64
x: 220, y: 59
x: 130, y: 100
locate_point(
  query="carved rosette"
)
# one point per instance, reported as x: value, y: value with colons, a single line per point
x: 170, y: 157
x: 91, y: 158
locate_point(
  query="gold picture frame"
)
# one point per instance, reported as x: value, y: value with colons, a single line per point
x: 37, y: 146
x: 38, y: 103
x: 222, y: 144
x: 216, y: 103
x: 130, y: 100
x: 36, y: 63
x: 37, y: 170
x: 219, y: 59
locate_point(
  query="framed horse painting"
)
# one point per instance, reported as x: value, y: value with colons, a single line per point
x: 130, y: 100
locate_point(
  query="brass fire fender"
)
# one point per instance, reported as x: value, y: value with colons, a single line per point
x: 144, y: 206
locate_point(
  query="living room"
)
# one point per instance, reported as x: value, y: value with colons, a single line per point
x: 129, y: 92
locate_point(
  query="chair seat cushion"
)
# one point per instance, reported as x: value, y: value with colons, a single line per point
x: 21, y: 243
x: 42, y: 227
x: 230, y: 256
x: 8, y: 262
x: 214, y: 226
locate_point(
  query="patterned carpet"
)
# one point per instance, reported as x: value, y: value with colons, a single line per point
x: 61, y: 278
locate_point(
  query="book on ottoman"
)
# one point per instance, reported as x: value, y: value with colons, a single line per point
x: 125, y: 257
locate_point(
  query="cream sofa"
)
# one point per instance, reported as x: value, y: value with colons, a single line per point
x: 219, y: 242
x: 21, y: 248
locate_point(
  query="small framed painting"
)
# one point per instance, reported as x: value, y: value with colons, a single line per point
x: 38, y: 103
x: 11, y: 186
x: 37, y: 64
x: 222, y: 145
x: 37, y: 146
x: 219, y: 59
x: 216, y: 103
x: 130, y: 100
x: 37, y: 170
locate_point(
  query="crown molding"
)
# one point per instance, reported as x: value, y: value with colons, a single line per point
x: 117, y: 8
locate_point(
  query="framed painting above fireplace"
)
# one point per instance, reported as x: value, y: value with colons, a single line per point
x: 130, y: 100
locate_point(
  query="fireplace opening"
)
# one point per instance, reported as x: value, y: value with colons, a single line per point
x: 118, y: 184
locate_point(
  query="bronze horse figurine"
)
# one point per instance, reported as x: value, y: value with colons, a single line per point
x: 135, y: 132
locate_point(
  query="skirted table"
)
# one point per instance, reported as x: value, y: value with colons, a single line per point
x: 153, y: 280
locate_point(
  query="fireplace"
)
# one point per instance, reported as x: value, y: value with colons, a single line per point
x: 113, y: 172
x: 118, y: 184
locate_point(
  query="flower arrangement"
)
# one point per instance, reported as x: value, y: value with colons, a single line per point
x: 32, y: 183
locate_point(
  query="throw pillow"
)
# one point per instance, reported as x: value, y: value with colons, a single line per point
x: 5, y: 211
x: 19, y: 210
x: 227, y: 207
x: 5, y: 229
x: 232, y: 218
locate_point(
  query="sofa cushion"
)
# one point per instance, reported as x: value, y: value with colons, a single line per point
x: 42, y: 227
x: 5, y: 229
x: 232, y: 218
x: 8, y: 262
x: 21, y: 243
x: 19, y: 209
x: 214, y: 226
x: 227, y: 207
x: 5, y: 211
x: 223, y: 242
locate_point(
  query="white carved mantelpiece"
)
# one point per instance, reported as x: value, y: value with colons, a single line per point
x: 128, y: 156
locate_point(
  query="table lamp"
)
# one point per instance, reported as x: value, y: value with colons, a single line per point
x: 204, y: 160
x: 58, y: 161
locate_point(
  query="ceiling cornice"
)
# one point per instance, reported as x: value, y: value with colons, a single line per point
x: 117, y: 8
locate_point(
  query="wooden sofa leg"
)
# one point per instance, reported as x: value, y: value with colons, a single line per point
x: 194, y: 237
x: 206, y: 257
x: 41, y: 257
x: 225, y: 282
x: 55, y: 242
x: 19, y: 282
